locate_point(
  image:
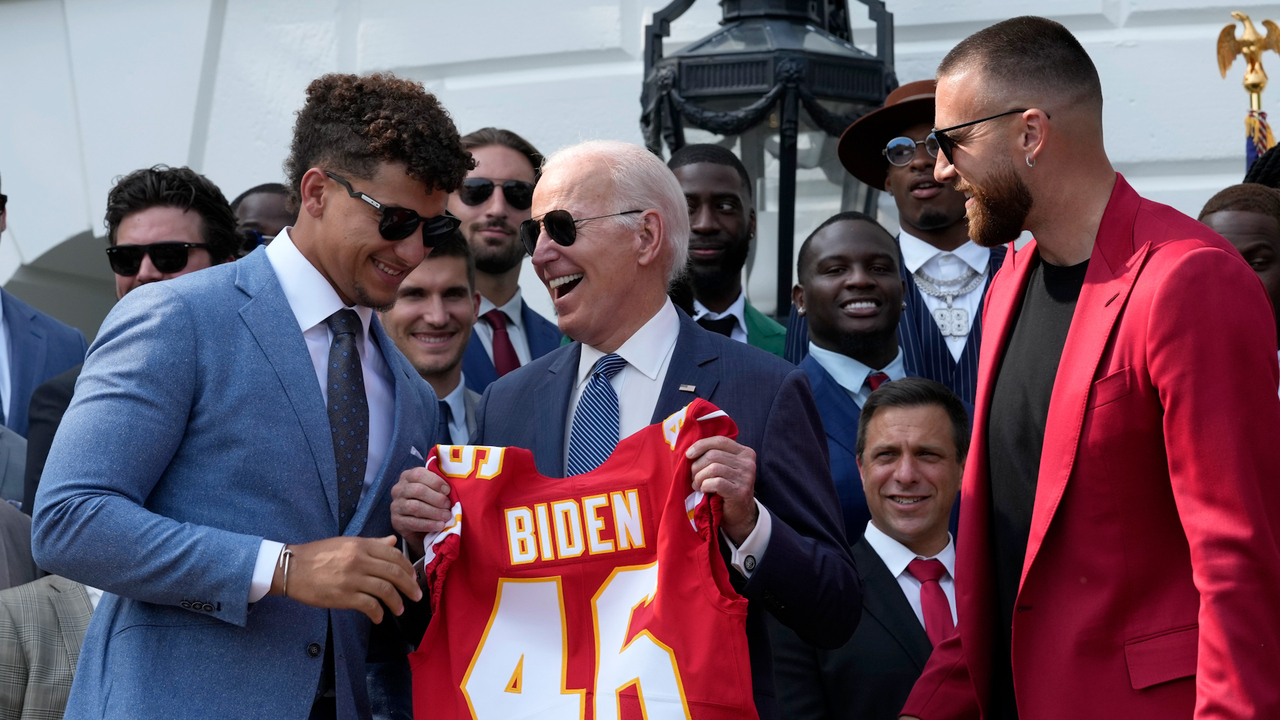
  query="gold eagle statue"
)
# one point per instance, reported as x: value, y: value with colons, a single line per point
x: 1251, y: 45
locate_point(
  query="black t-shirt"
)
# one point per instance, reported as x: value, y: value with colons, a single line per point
x: 1015, y: 439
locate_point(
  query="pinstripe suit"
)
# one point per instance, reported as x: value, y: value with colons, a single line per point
x: 926, y: 351
x: 42, y: 626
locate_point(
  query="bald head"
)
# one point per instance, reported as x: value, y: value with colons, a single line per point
x: 1027, y: 62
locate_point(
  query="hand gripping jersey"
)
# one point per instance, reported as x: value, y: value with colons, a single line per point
x: 601, y: 595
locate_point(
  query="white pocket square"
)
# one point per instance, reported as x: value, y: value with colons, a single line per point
x: 414, y: 452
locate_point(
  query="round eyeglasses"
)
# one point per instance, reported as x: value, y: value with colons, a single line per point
x: 902, y: 150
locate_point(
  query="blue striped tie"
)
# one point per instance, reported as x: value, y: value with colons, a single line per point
x: 595, y: 422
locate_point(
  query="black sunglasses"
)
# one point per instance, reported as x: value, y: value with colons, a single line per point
x: 519, y: 194
x: 560, y: 226
x: 946, y: 144
x: 167, y: 257
x: 902, y: 150
x: 3, y: 199
x: 399, y: 223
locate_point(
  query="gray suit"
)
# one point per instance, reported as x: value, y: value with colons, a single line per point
x: 16, y: 565
x: 13, y: 464
x: 42, y: 626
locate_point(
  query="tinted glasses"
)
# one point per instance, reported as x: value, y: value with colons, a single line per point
x: 3, y: 199
x: 560, y: 225
x: 167, y: 257
x: 399, y: 223
x: 519, y: 194
x: 902, y: 150
x: 946, y: 144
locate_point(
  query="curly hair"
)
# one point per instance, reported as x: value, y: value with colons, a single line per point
x: 351, y: 123
x: 1246, y: 197
x: 179, y: 187
x: 1265, y: 170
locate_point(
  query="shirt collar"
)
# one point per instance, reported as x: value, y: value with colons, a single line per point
x: 851, y: 374
x: 645, y: 349
x: 737, y: 310
x: 897, y: 556
x: 311, y: 298
x: 514, y: 309
x: 916, y: 252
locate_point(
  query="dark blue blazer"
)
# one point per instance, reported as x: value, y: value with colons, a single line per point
x: 39, y: 348
x: 924, y: 349
x: 543, y: 337
x: 840, y: 419
x: 807, y: 578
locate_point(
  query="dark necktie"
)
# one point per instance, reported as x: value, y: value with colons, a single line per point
x: 724, y: 325
x: 348, y: 412
x: 933, y: 599
x: 875, y: 380
x: 504, y: 353
x: 443, y: 436
x: 594, y: 434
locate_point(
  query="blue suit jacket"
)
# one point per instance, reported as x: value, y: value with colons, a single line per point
x: 39, y: 348
x: 196, y: 430
x: 840, y: 419
x: 478, y: 369
x: 807, y: 577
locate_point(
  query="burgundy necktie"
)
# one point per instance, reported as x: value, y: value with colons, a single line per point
x: 933, y: 601
x: 875, y: 380
x: 504, y: 353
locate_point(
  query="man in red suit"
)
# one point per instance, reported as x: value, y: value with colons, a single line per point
x: 1120, y: 509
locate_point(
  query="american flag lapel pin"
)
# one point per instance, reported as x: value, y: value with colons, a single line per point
x: 687, y: 388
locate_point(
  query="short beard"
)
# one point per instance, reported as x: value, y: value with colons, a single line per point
x: 496, y: 261
x: 868, y: 345
x: 934, y: 219
x: 999, y: 210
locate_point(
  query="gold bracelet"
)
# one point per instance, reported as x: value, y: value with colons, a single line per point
x: 285, y: 556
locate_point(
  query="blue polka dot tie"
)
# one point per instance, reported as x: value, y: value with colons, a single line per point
x: 348, y: 412
x: 595, y: 421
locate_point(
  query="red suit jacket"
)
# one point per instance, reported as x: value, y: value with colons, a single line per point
x: 1151, y: 585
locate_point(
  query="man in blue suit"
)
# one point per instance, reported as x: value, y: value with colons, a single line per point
x: 224, y: 469
x: 851, y: 294
x: 612, y: 227
x: 492, y: 202
x: 38, y: 347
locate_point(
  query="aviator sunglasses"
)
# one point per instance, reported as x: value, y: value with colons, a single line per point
x: 399, y: 223
x: 167, y: 257
x: 474, y: 191
x: 902, y: 150
x: 560, y: 225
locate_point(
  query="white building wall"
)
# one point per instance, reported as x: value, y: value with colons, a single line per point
x: 91, y: 89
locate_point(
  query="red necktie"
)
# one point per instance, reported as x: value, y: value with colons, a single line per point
x: 875, y: 380
x: 504, y: 353
x: 933, y: 601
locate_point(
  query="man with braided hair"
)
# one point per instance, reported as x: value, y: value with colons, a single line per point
x: 225, y: 467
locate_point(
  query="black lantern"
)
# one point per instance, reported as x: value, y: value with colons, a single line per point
x: 778, y: 74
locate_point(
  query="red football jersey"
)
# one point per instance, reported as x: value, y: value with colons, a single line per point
x: 601, y: 595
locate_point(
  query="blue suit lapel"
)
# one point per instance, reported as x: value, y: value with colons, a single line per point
x: 839, y: 412
x: 553, y: 390
x: 542, y: 339
x: 692, y: 363
x: 272, y: 322
x: 26, y: 353
x: 476, y: 365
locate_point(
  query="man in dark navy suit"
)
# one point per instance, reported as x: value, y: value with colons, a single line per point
x: 913, y: 439
x: 492, y: 203
x: 34, y: 348
x: 611, y: 229
x: 946, y: 273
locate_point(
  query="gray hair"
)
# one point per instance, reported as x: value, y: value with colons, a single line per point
x: 640, y: 181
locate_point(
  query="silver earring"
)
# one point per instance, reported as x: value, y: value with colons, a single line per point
x: 800, y: 312
x: 904, y: 304
x: 1031, y: 162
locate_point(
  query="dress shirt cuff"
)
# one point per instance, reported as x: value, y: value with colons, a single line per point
x: 745, y: 558
x: 264, y: 569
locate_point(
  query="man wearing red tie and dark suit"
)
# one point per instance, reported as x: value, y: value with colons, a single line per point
x: 1120, y: 510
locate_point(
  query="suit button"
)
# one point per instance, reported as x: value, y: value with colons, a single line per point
x: 314, y: 650
x: 207, y: 607
x: 750, y: 563
x: 186, y: 604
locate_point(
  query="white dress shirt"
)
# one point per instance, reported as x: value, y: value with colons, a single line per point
x: 6, y: 384
x: 943, y: 265
x: 852, y: 374
x: 457, y: 402
x: 312, y: 299
x: 737, y: 311
x: 648, y: 354
x: 897, y: 557
x: 514, y: 310
x: 94, y: 595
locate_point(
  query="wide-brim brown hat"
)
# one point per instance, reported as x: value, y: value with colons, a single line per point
x: 861, y: 147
